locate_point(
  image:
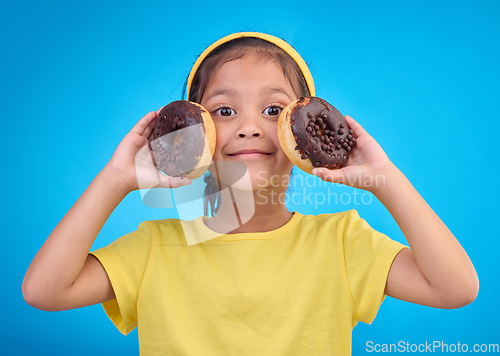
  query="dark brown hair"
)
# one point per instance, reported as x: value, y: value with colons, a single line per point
x: 230, y: 51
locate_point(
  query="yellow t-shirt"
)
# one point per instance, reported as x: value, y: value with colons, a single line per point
x: 296, y: 290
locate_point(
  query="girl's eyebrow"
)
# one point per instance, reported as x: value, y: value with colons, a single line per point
x: 220, y: 92
x: 231, y: 92
x: 277, y: 91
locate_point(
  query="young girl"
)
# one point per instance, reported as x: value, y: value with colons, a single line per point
x: 264, y: 280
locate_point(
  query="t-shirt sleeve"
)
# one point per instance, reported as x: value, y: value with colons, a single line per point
x: 125, y: 261
x: 368, y: 258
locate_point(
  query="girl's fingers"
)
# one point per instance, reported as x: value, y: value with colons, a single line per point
x: 179, y: 182
x: 144, y: 123
x: 357, y: 128
x: 151, y: 125
x: 174, y: 182
x: 334, y: 176
x: 149, y: 129
x: 158, y: 111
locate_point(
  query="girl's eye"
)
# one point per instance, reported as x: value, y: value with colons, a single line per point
x: 273, y: 110
x: 225, y: 111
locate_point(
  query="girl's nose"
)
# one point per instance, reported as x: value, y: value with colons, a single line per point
x: 249, y: 133
x: 250, y: 127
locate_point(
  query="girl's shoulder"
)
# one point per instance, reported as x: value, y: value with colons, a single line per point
x: 163, y: 230
x: 330, y: 217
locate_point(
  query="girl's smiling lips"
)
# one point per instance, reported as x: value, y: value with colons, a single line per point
x: 250, y: 153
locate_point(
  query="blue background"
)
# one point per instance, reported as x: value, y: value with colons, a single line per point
x: 422, y: 77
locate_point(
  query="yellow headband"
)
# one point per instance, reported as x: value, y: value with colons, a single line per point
x: 277, y: 41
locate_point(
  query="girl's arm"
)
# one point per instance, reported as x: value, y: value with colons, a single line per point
x: 436, y: 271
x: 63, y: 275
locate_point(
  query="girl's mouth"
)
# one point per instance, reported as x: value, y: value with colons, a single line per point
x: 250, y: 154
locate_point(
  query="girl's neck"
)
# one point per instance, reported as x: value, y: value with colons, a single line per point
x: 250, y: 211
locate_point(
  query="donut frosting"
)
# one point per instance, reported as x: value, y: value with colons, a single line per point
x: 178, y: 138
x: 321, y: 133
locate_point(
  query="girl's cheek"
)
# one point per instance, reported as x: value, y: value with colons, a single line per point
x: 218, y: 130
x: 221, y: 135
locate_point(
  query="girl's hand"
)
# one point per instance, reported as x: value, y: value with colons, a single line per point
x: 366, y: 163
x: 133, y: 164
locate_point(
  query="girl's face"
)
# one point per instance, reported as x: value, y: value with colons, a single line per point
x: 245, y: 98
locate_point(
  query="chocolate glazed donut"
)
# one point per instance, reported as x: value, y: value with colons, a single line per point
x: 182, y: 142
x: 314, y: 134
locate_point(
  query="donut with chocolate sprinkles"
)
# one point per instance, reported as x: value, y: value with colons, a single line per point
x: 313, y: 133
x: 182, y: 142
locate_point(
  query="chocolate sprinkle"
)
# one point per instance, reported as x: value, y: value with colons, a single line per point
x: 319, y: 142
